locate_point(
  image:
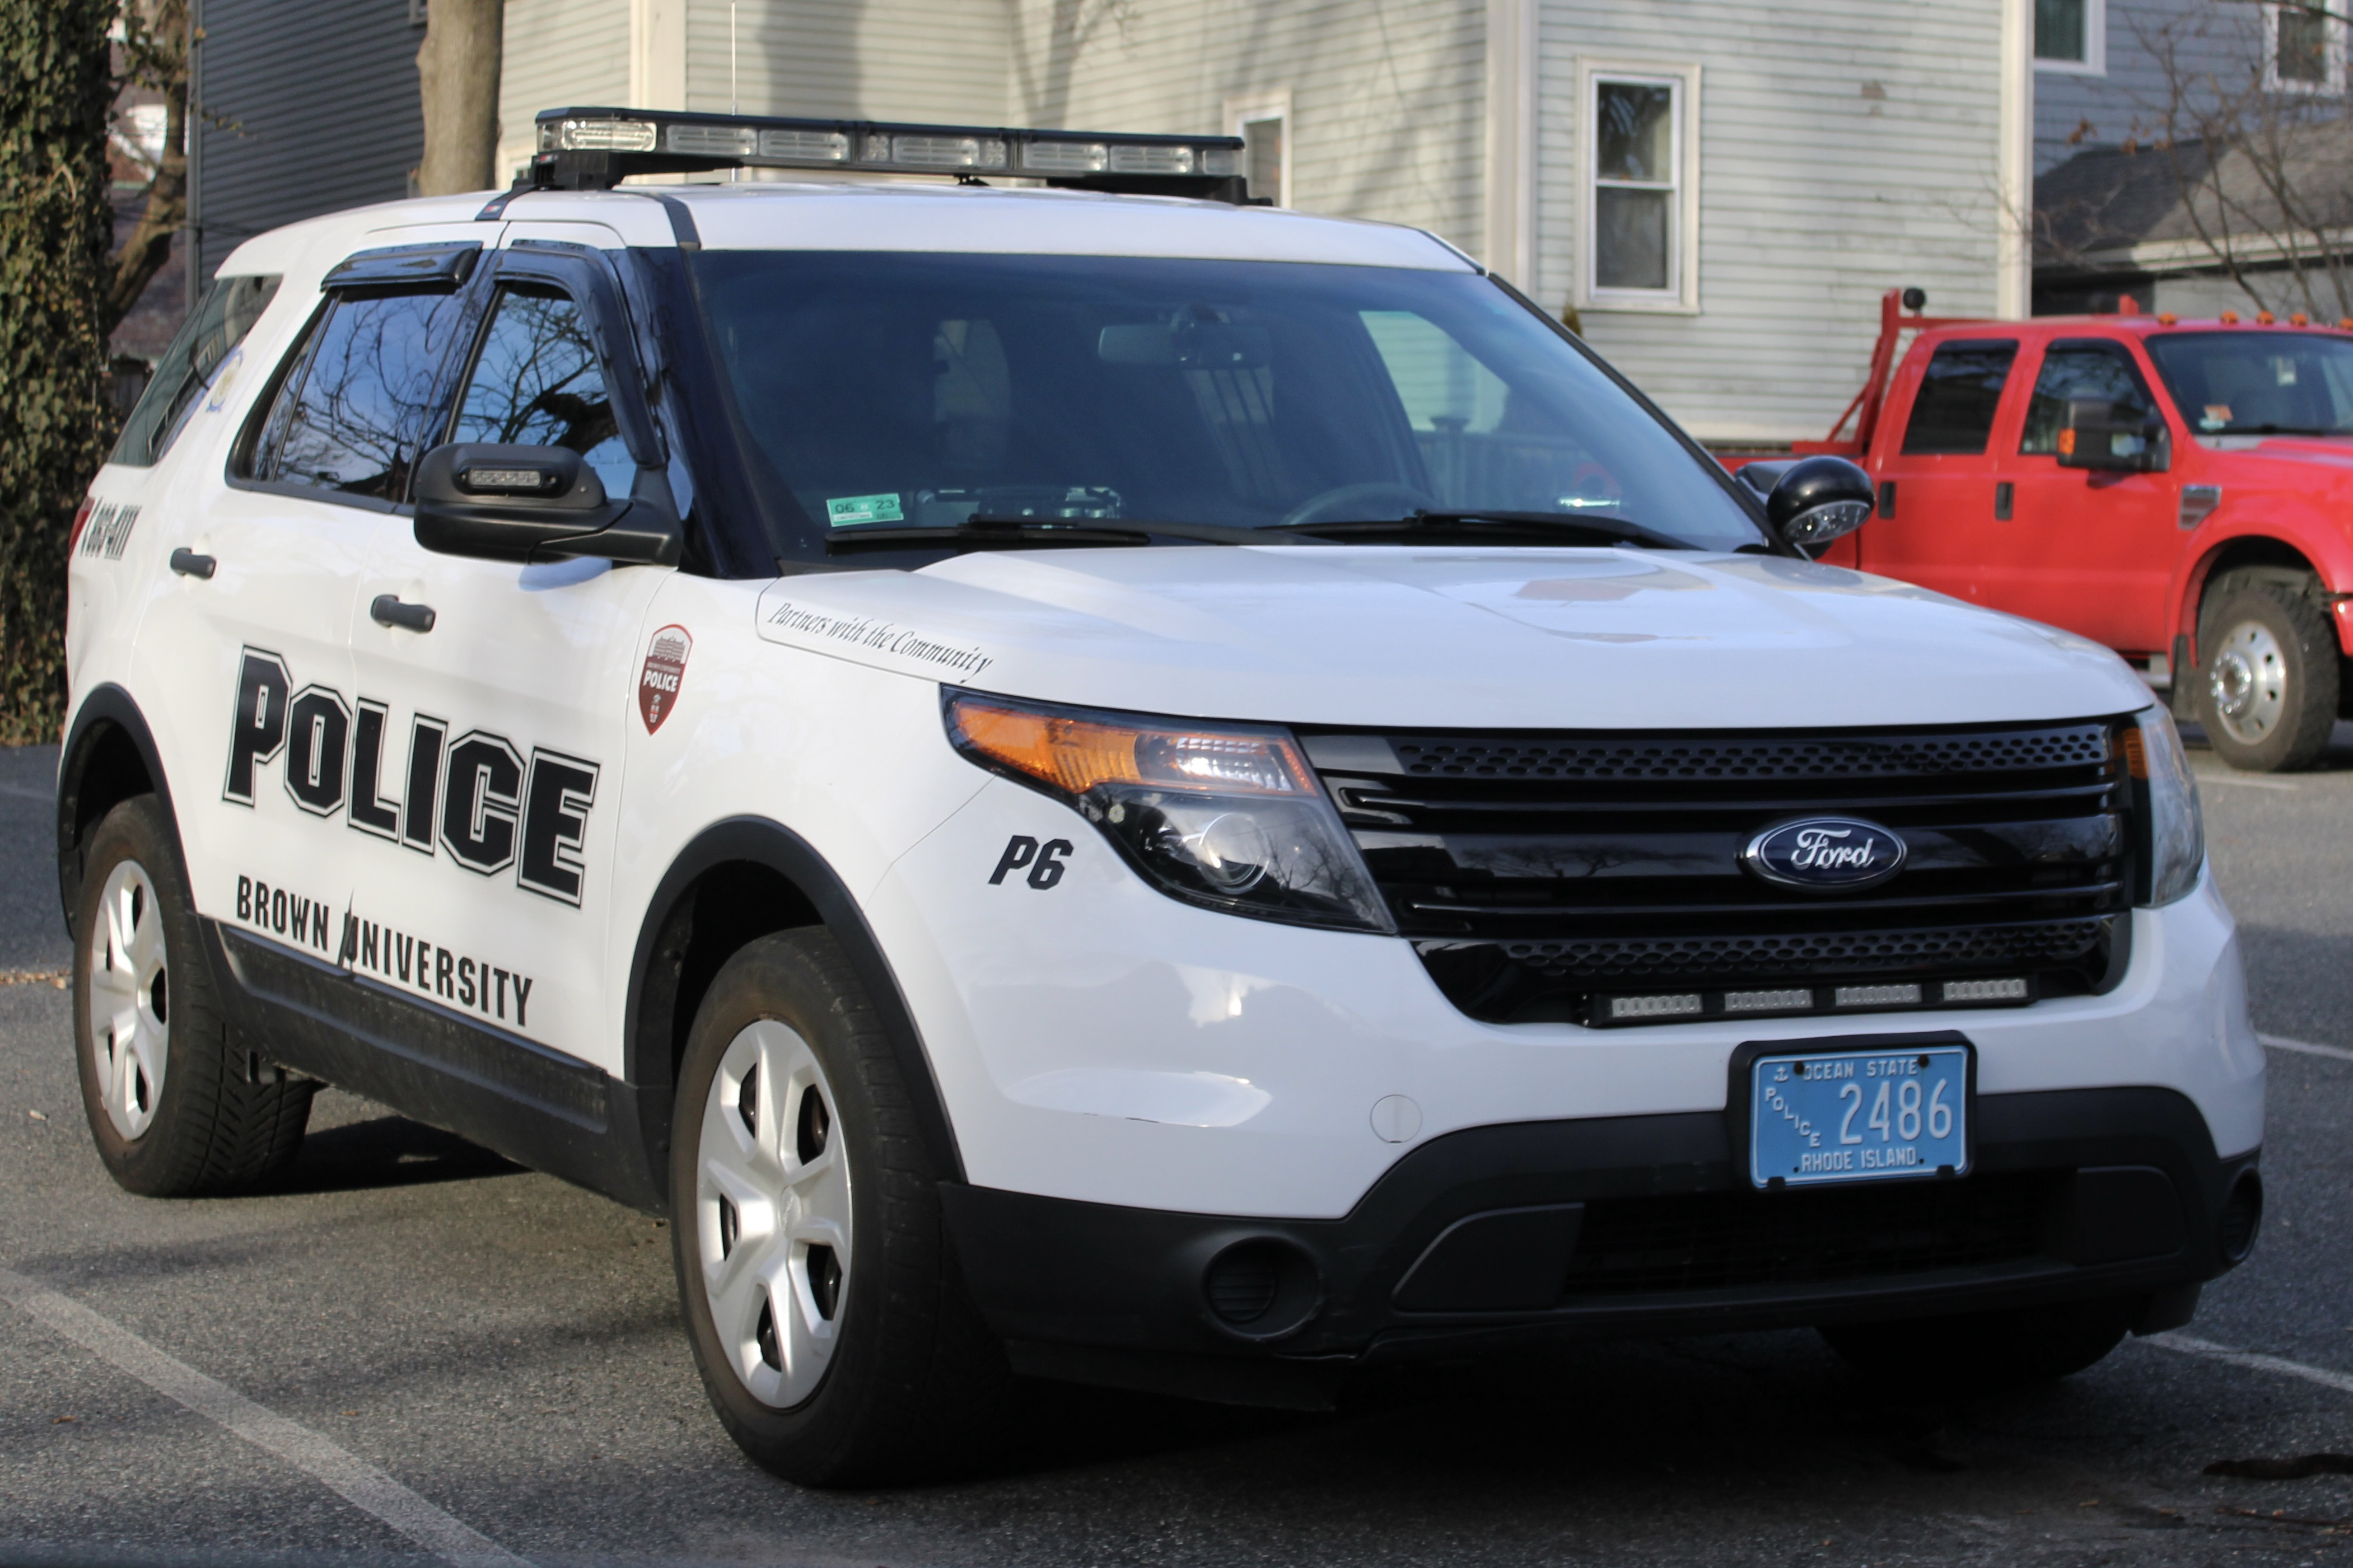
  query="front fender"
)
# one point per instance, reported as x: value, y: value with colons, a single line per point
x: 2277, y: 523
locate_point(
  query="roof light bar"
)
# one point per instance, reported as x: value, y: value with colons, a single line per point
x: 596, y: 148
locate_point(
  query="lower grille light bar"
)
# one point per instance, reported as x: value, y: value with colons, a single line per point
x: 1792, y: 1001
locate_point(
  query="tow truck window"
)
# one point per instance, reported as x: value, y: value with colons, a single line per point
x: 2258, y: 383
x: 349, y: 416
x: 2080, y: 369
x: 1953, y: 413
x: 536, y: 382
x: 927, y: 389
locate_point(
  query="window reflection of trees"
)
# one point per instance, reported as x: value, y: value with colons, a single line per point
x: 537, y: 381
x: 363, y: 397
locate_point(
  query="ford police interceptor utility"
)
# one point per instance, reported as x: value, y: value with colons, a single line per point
x: 1118, y: 786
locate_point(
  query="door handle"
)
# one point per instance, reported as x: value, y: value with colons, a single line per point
x: 188, y: 563
x: 389, y: 611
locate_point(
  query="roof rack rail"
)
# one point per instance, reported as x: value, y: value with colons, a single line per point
x: 596, y: 148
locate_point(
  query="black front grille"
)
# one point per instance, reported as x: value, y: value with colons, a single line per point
x: 1538, y: 875
x: 1897, y: 756
x: 1710, y: 1241
x: 1637, y: 961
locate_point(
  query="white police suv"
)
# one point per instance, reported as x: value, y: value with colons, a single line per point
x: 1081, y: 778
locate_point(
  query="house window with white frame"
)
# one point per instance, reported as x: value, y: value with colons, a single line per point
x: 2071, y: 37
x: 2303, y: 48
x: 1640, y: 207
x: 1264, y: 125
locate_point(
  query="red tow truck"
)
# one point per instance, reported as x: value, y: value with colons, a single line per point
x: 2181, y: 491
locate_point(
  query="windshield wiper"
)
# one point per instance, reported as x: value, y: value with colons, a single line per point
x: 1044, y: 532
x: 2279, y: 430
x: 1541, y: 525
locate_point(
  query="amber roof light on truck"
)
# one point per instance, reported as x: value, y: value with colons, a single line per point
x: 596, y: 148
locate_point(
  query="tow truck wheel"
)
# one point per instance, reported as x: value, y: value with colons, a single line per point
x: 1984, y: 1351
x: 2267, y: 689
x: 828, y: 1323
x: 175, y: 1111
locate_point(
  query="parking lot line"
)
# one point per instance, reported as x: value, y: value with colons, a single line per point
x: 2190, y: 1344
x: 341, y: 1471
x: 2305, y: 1046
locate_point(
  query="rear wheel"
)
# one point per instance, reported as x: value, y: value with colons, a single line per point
x: 827, y: 1317
x: 1984, y: 1350
x: 2267, y: 683
x: 175, y: 1111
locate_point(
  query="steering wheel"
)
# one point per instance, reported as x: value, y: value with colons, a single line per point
x: 1377, y: 501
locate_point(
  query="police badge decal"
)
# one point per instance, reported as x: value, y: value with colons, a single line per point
x: 665, y: 671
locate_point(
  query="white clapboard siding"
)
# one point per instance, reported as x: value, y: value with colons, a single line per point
x: 557, y: 53
x: 1845, y: 149
x: 1387, y: 100
x: 940, y: 61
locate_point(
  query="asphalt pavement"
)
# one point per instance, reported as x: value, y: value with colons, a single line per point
x: 411, y: 1343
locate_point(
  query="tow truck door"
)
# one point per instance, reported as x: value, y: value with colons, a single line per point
x: 505, y: 710
x: 1936, y: 484
x: 2086, y: 550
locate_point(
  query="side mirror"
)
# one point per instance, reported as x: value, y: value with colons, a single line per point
x: 534, y: 503
x: 2091, y: 436
x: 1814, y: 501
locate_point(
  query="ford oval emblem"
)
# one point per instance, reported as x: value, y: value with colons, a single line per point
x: 1825, y: 854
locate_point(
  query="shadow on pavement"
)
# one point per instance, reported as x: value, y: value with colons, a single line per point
x: 2336, y: 759
x: 386, y: 1152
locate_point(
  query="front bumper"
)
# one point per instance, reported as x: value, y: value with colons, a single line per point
x: 1497, y: 1237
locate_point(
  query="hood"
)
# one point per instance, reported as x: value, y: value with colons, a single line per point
x: 2329, y: 452
x: 1452, y: 639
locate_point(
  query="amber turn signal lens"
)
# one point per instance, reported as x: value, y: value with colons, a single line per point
x: 2136, y: 754
x: 2066, y: 443
x: 1074, y: 753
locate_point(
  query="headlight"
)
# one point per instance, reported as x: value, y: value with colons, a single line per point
x: 2165, y: 797
x: 1228, y: 815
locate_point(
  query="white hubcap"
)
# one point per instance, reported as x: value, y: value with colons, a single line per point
x: 129, y: 1001
x: 772, y: 1214
x: 2250, y: 682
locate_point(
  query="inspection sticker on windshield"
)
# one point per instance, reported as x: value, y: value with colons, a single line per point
x: 1858, y: 1116
x: 842, y: 510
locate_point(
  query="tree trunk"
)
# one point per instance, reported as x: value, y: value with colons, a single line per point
x: 457, y: 77
x: 55, y: 92
x: 149, y: 245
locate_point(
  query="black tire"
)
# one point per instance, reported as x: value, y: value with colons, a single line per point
x: 1984, y: 1351
x: 2267, y: 674
x: 206, y: 1128
x: 911, y: 1376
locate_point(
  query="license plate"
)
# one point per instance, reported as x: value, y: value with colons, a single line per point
x: 1858, y: 1116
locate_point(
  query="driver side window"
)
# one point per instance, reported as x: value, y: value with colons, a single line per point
x: 2094, y: 370
x: 537, y: 381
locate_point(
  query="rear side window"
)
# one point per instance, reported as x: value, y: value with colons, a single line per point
x: 2085, y: 369
x: 201, y: 358
x: 350, y: 416
x: 537, y: 383
x: 1953, y: 414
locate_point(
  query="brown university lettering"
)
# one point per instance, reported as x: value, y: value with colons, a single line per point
x: 476, y: 797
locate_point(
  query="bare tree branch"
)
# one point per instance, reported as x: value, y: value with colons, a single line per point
x: 153, y: 55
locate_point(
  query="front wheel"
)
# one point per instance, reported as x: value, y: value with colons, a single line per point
x: 2268, y: 678
x: 175, y: 1111
x: 826, y: 1314
x: 1984, y: 1351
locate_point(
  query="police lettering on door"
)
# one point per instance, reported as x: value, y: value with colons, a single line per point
x: 475, y: 796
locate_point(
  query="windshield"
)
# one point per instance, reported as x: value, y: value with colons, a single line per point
x: 901, y: 390
x: 2255, y: 383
